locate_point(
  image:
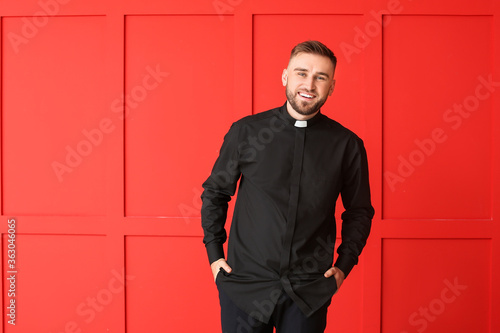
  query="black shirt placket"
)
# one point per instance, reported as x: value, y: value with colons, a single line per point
x: 293, y: 205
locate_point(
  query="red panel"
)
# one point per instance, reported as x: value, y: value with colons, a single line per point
x: 437, y: 116
x: 63, y: 284
x: 53, y: 112
x: 175, y: 128
x: 173, y: 290
x: 346, y: 103
x: 436, y: 285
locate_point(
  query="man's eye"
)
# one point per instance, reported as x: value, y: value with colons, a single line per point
x: 321, y: 78
x: 302, y: 74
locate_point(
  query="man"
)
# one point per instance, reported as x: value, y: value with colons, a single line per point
x: 292, y: 163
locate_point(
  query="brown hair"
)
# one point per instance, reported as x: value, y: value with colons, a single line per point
x: 314, y: 47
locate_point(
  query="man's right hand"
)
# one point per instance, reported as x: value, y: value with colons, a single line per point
x: 216, y: 266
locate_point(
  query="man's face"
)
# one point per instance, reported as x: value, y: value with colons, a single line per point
x: 308, y: 81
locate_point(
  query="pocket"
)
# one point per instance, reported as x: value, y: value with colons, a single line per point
x: 218, y: 273
x: 222, y: 273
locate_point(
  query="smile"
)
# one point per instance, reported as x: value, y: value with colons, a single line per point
x: 306, y: 95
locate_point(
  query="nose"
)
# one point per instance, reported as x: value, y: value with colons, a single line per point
x: 309, y: 83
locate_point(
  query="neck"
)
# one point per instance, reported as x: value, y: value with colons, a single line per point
x: 294, y: 114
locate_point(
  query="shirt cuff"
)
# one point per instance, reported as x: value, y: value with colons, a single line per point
x: 215, y: 252
x: 345, y: 264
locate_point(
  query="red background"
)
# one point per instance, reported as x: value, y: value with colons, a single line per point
x: 112, y: 114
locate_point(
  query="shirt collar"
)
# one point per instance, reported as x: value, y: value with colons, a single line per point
x: 283, y: 113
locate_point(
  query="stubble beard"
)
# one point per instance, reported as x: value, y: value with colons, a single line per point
x: 303, y: 107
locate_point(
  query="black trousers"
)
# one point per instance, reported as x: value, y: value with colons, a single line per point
x: 287, y: 318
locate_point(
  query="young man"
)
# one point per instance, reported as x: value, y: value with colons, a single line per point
x: 292, y: 163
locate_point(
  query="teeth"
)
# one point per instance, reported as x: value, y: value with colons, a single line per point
x: 305, y: 95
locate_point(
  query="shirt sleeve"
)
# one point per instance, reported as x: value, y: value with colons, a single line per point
x: 358, y: 214
x: 218, y: 190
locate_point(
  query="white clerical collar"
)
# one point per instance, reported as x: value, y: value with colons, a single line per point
x: 301, y: 123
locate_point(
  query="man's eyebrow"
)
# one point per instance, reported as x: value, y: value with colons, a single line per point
x: 299, y: 69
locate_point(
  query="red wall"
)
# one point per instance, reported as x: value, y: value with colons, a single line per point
x: 112, y: 114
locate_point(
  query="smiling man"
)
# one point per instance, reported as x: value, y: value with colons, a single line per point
x: 292, y: 163
x: 309, y: 83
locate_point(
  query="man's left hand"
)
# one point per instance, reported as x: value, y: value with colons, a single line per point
x: 338, y: 274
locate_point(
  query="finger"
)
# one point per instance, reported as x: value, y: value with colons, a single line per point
x: 330, y: 272
x: 225, y: 267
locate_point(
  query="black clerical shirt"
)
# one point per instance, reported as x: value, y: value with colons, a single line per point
x: 283, y: 230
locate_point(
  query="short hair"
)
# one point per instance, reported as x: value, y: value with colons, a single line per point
x: 314, y: 47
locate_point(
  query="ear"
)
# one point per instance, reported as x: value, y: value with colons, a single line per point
x: 284, y: 77
x: 332, y: 86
